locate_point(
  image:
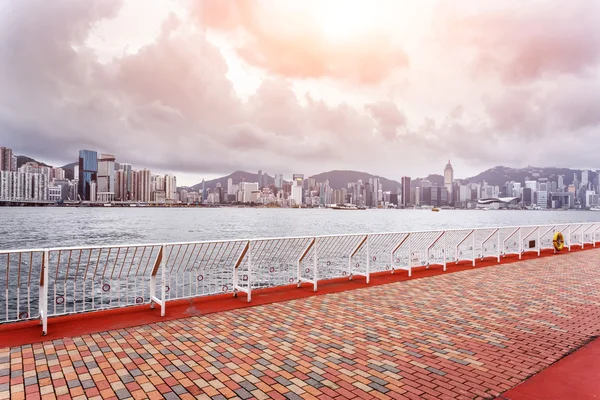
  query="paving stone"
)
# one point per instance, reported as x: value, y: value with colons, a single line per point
x: 494, y: 327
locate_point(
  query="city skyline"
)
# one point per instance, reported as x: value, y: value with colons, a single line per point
x: 205, y: 88
x: 98, y: 179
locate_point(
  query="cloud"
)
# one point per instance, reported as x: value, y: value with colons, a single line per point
x: 389, y: 118
x: 293, y: 45
x: 524, y: 41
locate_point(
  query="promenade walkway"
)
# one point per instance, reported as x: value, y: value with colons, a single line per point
x: 470, y: 334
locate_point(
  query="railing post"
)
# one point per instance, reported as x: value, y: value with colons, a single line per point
x: 368, y: 262
x: 350, y: 267
x: 235, y: 280
x: 43, y: 300
x: 410, y: 256
x: 249, y: 274
x: 163, y: 286
x: 539, y: 243
x: 582, y: 234
x: 474, y: 233
x: 315, y: 265
x: 444, y: 250
x: 569, y: 237
x: 498, y: 246
x: 520, y: 244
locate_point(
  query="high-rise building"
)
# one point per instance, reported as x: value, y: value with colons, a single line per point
x: 260, y: 179
x: 170, y: 187
x: 297, y: 181
x: 127, y: 183
x: 561, y: 183
x: 119, y: 185
x: 88, y: 173
x: 542, y: 199
x: 203, y: 195
x: 144, y: 191
x: 230, y: 187
x: 449, y: 178
x: 278, y: 181
x: 106, y: 178
x: 527, y: 198
x: 6, y: 159
x: 405, y: 201
x: 585, y: 178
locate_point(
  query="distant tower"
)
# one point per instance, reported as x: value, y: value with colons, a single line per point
x: 449, y: 180
x: 260, y: 180
x: 203, y: 191
x: 405, y: 201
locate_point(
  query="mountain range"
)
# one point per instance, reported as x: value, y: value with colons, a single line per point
x: 338, y: 179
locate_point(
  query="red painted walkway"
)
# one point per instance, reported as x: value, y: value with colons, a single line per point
x: 18, y: 334
x: 575, y: 377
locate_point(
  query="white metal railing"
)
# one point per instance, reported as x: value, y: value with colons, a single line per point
x: 41, y: 283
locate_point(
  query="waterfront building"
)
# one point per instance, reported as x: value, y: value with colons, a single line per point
x: 6, y: 160
x: 127, y: 182
x: 297, y: 182
x: 449, y: 179
x: 542, y: 199
x: 88, y: 173
x: 119, y: 185
x: 561, y: 183
x: 143, y: 183
x: 106, y: 178
x: 527, y: 197
x: 585, y: 175
x: 464, y: 193
x: 54, y: 193
x: 170, y: 187
x: 249, y: 191
x: 93, y: 191
x: 260, y: 179
x: 230, y: 189
x: 405, y: 200
x: 591, y: 199
x: 279, y: 181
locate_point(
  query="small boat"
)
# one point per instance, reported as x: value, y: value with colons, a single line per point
x: 435, y: 209
x: 347, y: 207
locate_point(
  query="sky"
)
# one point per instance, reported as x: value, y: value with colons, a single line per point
x: 202, y: 88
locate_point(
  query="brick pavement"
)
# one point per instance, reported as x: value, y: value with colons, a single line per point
x: 471, y: 334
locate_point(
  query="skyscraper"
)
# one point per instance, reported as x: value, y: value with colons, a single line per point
x: 561, y: 183
x: 144, y: 189
x: 585, y: 175
x: 88, y: 173
x: 127, y: 183
x: 203, y: 191
x: 405, y: 202
x: 170, y: 187
x: 449, y: 179
x: 106, y: 178
x: 297, y: 181
x: 278, y: 181
x: 6, y: 159
x: 260, y: 179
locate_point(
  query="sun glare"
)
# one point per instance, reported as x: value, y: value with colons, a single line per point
x: 342, y: 19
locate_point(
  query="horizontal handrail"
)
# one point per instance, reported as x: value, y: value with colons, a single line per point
x: 116, y: 246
